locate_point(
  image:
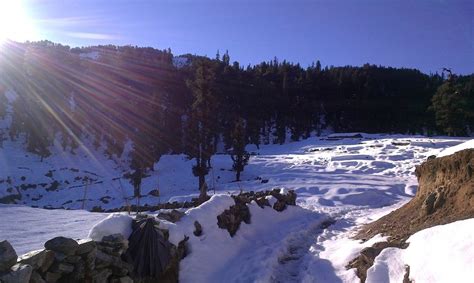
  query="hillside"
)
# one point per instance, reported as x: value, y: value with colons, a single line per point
x: 343, y: 180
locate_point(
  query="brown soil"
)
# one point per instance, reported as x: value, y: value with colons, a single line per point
x: 445, y: 194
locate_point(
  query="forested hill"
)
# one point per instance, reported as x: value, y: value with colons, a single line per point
x: 162, y: 103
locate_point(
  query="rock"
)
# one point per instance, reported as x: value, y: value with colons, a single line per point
x: 8, y: 256
x: 47, y: 261
x: 52, y: 277
x: 63, y: 245
x: 73, y: 259
x: 77, y: 276
x: 231, y: 218
x: 19, y: 273
x: 115, y: 238
x: 290, y: 197
x: 198, y: 229
x: 172, y: 216
x: 90, y: 260
x: 36, y: 258
x: 280, y: 205
x: 368, y: 254
x: 36, y: 278
x: 105, y: 260
x: 114, y: 244
x: 125, y: 279
x: 155, y: 193
x: 59, y: 256
x: 100, y: 276
x: 262, y: 201
x: 62, y: 268
x: 85, y: 246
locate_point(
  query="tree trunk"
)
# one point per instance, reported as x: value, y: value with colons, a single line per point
x: 237, y: 176
x: 202, y: 187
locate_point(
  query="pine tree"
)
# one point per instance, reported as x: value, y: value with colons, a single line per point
x: 239, y: 155
x: 202, y: 122
x: 450, y: 106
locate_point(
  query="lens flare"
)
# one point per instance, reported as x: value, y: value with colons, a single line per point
x: 15, y: 24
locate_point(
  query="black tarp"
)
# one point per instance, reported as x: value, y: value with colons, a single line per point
x: 149, y: 250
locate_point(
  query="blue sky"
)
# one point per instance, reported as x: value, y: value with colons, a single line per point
x: 423, y: 34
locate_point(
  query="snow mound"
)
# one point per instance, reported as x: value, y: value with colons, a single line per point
x: 251, y: 255
x: 388, y: 267
x: 114, y: 224
x: 459, y: 147
x: 442, y: 253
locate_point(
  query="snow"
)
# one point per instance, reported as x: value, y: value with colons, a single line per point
x: 11, y: 96
x: 387, y: 267
x: 92, y: 55
x: 442, y: 253
x: 350, y: 181
x: 115, y: 223
x: 454, y: 149
x: 217, y: 257
x: 180, y: 62
x: 28, y: 228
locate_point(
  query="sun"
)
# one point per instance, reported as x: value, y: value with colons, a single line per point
x: 15, y: 24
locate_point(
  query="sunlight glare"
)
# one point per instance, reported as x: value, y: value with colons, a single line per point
x: 15, y: 24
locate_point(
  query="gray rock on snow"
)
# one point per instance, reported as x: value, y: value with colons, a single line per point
x: 62, y: 245
x: 8, y: 256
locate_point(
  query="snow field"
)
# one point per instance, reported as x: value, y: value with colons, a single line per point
x: 351, y: 181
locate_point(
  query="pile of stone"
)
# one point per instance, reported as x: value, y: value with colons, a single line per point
x: 66, y: 260
x: 232, y: 217
x: 195, y: 202
x: 261, y: 198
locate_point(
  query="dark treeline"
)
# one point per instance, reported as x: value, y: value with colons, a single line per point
x: 192, y: 104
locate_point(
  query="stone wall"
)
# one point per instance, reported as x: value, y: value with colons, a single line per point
x: 66, y: 260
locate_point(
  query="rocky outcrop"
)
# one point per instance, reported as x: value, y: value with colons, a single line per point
x: 232, y: 217
x: 445, y: 194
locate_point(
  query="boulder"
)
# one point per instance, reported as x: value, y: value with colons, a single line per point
x: 62, y: 245
x: 8, y: 256
x: 19, y: 273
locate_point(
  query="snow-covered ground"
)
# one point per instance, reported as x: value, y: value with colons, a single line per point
x: 28, y: 228
x: 349, y: 180
x: 442, y: 253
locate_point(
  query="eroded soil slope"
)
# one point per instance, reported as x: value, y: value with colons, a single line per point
x: 445, y: 194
